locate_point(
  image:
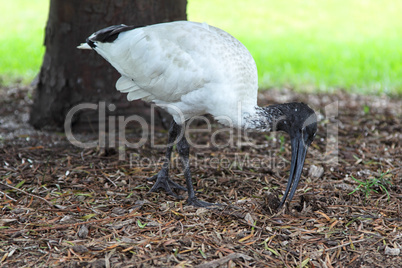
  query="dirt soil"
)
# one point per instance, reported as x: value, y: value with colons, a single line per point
x: 63, y: 206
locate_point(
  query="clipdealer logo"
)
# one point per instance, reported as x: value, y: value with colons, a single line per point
x: 112, y: 133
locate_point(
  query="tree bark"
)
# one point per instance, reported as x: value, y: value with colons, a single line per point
x: 70, y: 76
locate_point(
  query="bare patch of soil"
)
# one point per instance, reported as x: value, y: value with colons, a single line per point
x: 69, y: 207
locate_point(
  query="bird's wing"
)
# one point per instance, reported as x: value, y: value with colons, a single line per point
x: 161, y: 62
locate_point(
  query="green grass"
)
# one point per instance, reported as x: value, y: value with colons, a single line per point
x: 309, y: 45
x: 372, y: 185
x: 327, y: 44
x: 22, y: 25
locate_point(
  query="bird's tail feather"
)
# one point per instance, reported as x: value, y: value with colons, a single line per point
x: 84, y: 46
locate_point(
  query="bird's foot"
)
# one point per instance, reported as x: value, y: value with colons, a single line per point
x: 199, y: 203
x: 162, y: 181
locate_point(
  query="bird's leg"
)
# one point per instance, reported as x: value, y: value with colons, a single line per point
x: 162, y: 179
x: 184, y: 151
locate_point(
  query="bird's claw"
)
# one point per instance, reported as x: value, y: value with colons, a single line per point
x: 162, y: 181
x: 199, y: 203
x: 165, y: 186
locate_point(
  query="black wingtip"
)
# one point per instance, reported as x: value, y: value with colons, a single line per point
x: 109, y: 34
x: 90, y: 43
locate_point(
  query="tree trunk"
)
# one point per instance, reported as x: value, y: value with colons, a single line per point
x: 70, y: 76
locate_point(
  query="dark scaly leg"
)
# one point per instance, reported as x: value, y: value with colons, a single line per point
x: 162, y: 179
x: 184, y: 151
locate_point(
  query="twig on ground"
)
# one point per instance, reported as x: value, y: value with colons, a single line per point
x: 221, y: 261
x: 22, y: 191
x: 9, y: 197
x: 343, y: 245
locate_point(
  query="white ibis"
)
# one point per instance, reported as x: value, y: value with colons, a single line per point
x: 193, y: 69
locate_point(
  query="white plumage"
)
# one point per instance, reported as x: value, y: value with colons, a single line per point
x: 192, y: 66
x: 191, y: 69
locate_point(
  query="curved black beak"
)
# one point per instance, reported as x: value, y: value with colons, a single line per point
x: 299, y: 150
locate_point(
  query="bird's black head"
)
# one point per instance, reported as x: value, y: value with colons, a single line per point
x: 300, y: 122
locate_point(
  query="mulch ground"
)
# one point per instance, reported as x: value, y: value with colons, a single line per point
x: 63, y: 206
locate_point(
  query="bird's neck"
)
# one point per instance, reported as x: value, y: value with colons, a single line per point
x: 263, y: 119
